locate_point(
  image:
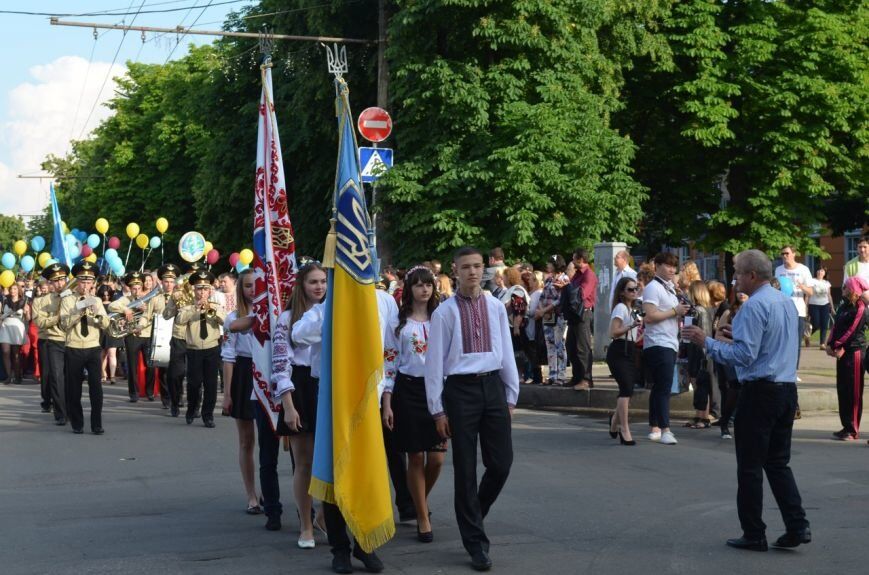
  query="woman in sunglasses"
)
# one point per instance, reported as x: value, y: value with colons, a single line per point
x: 620, y: 355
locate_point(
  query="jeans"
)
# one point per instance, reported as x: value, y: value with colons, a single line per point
x: 762, y: 432
x: 556, y: 354
x: 820, y: 316
x: 660, y: 363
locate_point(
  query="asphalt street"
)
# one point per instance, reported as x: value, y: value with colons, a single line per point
x: 154, y: 495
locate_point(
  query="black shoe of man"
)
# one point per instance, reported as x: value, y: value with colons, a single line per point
x: 794, y: 539
x: 273, y: 523
x: 480, y: 561
x: 341, y: 562
x: 209, y: 423
x: 749, y: 544
x: 98, y: 431
x: 78, y: 431
x: 188, y: 419
x: 372, y: 562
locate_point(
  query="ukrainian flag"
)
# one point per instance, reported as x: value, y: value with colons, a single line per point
x: 350, y: 467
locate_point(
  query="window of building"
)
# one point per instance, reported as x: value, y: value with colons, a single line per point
x: 851, y: 240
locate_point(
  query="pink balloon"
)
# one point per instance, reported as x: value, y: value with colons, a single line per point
x: 212, y: 257
x: 114, y: 242
x: 86, y: 251
x: 233, y: 259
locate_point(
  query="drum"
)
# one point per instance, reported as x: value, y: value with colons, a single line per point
x: 161, y: 338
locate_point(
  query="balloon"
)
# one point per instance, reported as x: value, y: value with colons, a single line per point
x: 142, y: 241
x: 233, y: 259
x: 155, y: 242
x: 786, y: 285
x: 37, y: 243
x: 102, y: 225
x: 117, y: 267
x: 20, y: 247
x: 8, y: 260
x: 50, y: 262
x: 162, y: 225
x: 7, y: 278
x: 43, y: 259
x: 91, y: 258
x: 240, y: 267
x: 208, y: 247
x: 63, y: 227
x: 81, y: 236
x: 86, y: 251
x: 27, y: 263
x: 74, y: 251
x: 111, y: 254
x: 132, y: 230
x: 245, y: 256
x: 93, y: 241
x: 114, y: 243
x: 212, y: 257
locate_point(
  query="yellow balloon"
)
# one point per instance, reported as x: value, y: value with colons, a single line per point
x: 91, y: 258
x: 132, y: 230
x: 162, y: 225
x: 208, y: 247
x: 20, y: 247
x: 142, y: 241
x: 245, y: 256
x: 102, y: 225
x: 63, y: 227
x: 7, y: 278
x: 43, y: 258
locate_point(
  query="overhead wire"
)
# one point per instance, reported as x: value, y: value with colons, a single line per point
x: 207, y: 6
x: 111, y: 13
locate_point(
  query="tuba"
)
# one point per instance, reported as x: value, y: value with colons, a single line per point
x: 119, y: 327
x: 182, y: 295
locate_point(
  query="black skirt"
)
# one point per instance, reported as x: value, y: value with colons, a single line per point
x: 304, y: 399
x: 620, y: 360
x: 414, y: 428
x: 242, y: 387
x: 107, y: 341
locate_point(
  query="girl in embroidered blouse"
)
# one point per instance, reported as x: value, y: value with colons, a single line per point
x: 404, y: 406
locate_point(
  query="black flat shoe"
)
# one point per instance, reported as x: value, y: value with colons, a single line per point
x: 98, y: 431
x: 60, y: 422
x: 794, y: 539
x: 188, y: 419
x: 209, y: 423
x: 624, y: 441
x: 134, y: 400
x: 424, y: 537
x: 749, y: 544
x: 372, y: 562
x: 78, y: 431
x: 341, y: 563
x: 480, y: 561
x: 273, y: 523
x: 175, y: 412
x: 613, y: 434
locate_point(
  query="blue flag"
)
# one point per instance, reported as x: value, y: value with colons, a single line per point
x: 59, y: 250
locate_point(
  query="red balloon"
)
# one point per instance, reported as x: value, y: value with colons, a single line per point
x: 86, y: 251
x: 212, y: 257
x: 114, y: 242
x: 233, y: 259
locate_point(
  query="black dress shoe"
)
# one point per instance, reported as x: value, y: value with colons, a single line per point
x: 98, y: 430
x: 372, y: 562
x: 424, y: 537
x: 46, y: 409
x: 749, y: 544
x: 273, y: 523
x: 189, y: 419
x: 175, y: 412
x: 480, y: 561
x: 209, y: 423
x: 794, y: 538
x: 78, y: 431
x: 150, y: 398
x: 341, y: 562
x: 134, y: 400
x: 60, y: 422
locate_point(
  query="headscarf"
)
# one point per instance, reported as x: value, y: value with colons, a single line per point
x: 857, y: 285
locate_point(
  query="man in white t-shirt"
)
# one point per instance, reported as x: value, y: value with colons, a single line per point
x: 621, y: 270
x: 801, y: 277
x: 859, y: 266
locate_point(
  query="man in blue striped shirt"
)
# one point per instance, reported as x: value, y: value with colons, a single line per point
x: 764, y: 354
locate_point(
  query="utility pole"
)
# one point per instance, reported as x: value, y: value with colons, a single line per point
x: 384, y: 248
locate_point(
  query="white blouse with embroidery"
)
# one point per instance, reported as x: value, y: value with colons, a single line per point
x: 405, y: 353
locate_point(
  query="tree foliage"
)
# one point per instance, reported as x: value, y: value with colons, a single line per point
x: 11, y: 229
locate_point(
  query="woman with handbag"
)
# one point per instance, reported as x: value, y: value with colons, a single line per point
x: 620, y: 355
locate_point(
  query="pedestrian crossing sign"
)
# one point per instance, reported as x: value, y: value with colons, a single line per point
x: 375, y: 162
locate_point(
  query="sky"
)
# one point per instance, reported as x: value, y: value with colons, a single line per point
x: 56, y: 78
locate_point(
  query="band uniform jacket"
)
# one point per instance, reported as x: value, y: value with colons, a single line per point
x: 190, y: 317
x: 70, y: 322
x: 46, y: 316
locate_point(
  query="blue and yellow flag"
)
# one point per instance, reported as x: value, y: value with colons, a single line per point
x: 59, y: 249
x: 350, y: 467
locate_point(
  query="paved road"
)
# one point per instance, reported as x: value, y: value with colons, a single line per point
x: 156, y: 496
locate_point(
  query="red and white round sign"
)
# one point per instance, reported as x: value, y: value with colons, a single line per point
x: 374, y: 124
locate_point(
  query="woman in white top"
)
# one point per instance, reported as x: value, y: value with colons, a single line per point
x: 296, y: 379
x: 238, y: 375
x: 820, y: 304
x: 404, y: 407
x: 15, y: 312
x: 620, y: 355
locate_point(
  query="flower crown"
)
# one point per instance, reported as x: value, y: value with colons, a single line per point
x: 419, y: 267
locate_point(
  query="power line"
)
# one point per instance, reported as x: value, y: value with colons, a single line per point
x: 178, y: 41
x: 111, y: 13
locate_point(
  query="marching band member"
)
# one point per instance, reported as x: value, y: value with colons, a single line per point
x: 42, y: 335
x: 82, y: 316
x: 203, y: 320
x: 52, y: 339
x: 138, y: 339
x: 172, y: 378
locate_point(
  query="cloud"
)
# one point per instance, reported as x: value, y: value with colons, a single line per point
x: 41, y: 117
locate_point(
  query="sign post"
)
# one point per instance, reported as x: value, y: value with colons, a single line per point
x: 375, y: 125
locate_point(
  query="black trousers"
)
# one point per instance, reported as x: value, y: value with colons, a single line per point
x: 44, y: 376
x: 477, y: 407
x: 134, y: 345
x: 176, y: 370
x: 55, y: 353
x: 660, y: 363
x: 850, y: 382
x: 202, y: 368
x: 579, y: 350
x: 762, y: 432
x: 269, y: 448
x: 397, y: 462
x: 78, y: 360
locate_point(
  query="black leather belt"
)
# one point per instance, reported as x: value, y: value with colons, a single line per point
x: 475, y: 375
x: 767, y: 382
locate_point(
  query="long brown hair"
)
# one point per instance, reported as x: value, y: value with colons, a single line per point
x: 417, y: 275
x: 242, y: 308
x: 298, y: 303
x: 618, y: 295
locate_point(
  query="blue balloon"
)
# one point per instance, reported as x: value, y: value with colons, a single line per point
x: 787, y: 285
x: 117, y: 268
x: 81, y: 236
x: 50, y: 262
x: 240, y: 267
x: 154, y: 243
x: 37, y: 243
x: 27, y: 263
x: 74, y: 251
x: 8, y: 260
x: 93, y: 241
x: 111, y: 254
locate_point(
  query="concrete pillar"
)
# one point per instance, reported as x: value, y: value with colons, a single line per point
x: 604, y: 253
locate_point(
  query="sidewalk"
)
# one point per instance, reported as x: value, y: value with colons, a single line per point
x: 817, y: 391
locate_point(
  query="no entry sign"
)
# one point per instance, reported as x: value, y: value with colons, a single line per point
x: 374, y: 124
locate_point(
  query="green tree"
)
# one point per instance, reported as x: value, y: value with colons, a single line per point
x: 12, y: 229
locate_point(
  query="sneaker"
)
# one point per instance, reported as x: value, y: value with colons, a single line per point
x: 799, y: 379
x: 667, y: 438
x: 725, y: 434
x: 655, y: 436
